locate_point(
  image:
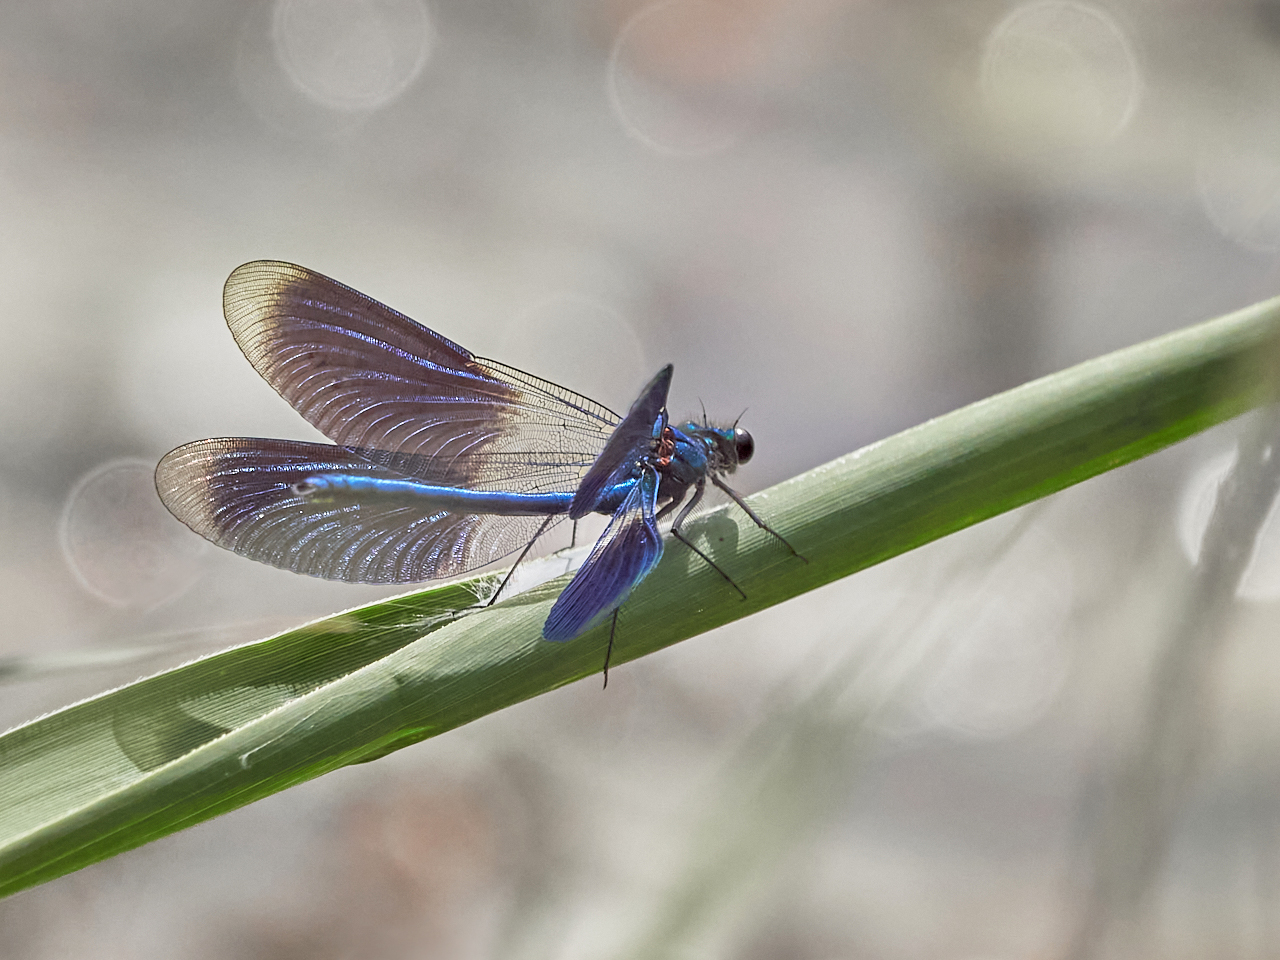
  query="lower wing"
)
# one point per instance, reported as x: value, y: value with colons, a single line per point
x: 628, y: 549
x: 255, y: 497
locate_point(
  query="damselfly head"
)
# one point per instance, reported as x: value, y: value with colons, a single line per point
x: 727, y: 446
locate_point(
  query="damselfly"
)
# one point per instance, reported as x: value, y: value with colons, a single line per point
x: 442, y: 461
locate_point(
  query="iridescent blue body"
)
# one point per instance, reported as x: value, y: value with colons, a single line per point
x: 441, y: 462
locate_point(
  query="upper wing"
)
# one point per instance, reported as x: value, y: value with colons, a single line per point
x: 239, y: 493
x: 628, y: 549
x: 371, y: 378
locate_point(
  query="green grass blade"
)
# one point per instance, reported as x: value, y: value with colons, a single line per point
x: 172, y: 750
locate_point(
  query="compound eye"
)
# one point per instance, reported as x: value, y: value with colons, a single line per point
x: 744, y: 444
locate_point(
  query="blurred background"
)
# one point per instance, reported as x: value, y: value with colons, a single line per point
x: 843, y: 216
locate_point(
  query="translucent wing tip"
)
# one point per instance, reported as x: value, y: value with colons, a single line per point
x: 178, y: 482
x: 254, y: 274
x: 255, y: 284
